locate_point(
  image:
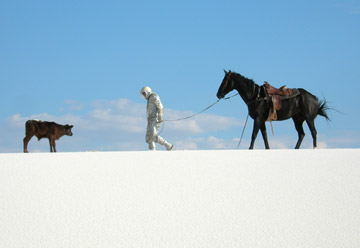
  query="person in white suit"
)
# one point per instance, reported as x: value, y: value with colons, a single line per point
x: 154, y: 110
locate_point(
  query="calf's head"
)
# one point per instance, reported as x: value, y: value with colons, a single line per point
x: 68, y: 130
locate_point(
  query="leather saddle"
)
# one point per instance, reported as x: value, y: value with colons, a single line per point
x: 276, y: 95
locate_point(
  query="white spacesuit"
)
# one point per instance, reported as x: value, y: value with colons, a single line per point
x: 154, y: 110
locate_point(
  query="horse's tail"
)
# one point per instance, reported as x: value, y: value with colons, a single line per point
x: 323, y: 107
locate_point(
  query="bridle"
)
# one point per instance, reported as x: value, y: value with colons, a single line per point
x: 226, y: 81
x: 256, y: 93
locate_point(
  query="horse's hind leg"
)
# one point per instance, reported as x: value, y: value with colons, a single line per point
x: 264, y: 134
x: 311, y: 125
x: 299, y: 128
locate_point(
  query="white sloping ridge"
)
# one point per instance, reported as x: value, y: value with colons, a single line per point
x: 277, y: 198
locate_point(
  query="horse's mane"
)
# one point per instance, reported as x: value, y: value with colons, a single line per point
x: 244, y: 79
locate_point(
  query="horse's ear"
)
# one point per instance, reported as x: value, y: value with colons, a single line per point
x: 225, y: 71
x: 229, y: 71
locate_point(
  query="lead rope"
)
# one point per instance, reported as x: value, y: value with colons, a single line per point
x: 191, y: 116
x: 188, y: 117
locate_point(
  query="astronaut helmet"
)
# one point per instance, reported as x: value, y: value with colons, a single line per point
x: 145, y: 92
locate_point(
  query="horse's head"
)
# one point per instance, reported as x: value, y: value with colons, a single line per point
x: 226, y: 86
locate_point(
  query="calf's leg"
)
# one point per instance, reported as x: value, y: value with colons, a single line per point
x: 26, y: 141
x: 52, y: 145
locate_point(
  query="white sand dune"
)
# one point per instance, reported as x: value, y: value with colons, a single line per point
x: 277, y: 198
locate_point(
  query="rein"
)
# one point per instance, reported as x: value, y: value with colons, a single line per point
x: 227, y: 81
x: 242, y: 133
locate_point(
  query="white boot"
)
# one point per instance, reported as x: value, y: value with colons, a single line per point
x: 163, y: 142
x: 152, y: 146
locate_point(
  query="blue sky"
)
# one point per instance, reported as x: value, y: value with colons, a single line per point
x: 84, y: 63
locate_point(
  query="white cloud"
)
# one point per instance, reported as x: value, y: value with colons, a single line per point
x: 74, y: 105
x: 216, y: 143
x: 204, y: 143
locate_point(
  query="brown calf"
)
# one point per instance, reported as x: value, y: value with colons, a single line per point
x: 45, y: 129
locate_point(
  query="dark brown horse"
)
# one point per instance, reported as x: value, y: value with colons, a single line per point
x: 301, y: 107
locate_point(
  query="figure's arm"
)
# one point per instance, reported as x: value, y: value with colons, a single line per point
x: 159, y: 108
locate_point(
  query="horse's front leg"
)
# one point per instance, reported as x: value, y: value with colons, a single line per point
x: 264, y: 134
x: 255, y: 132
